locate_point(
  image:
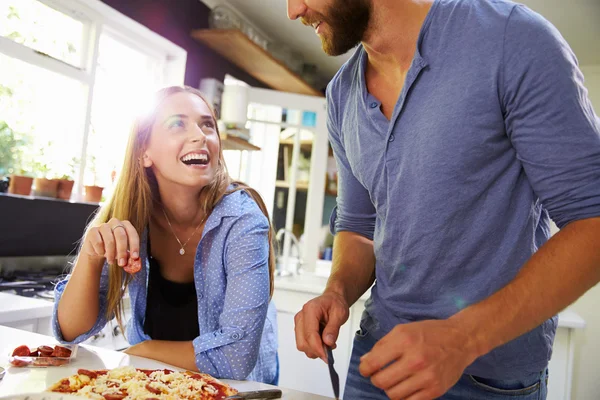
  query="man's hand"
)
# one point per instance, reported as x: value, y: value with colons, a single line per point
x: 420, y: 360
x: 329, y: 310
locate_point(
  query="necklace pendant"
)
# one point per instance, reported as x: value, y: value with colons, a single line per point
x: 181, y: 251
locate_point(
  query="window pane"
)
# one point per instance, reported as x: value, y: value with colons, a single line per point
x: 125, y: 80
x: 46, y: 112
x: 42, y: 28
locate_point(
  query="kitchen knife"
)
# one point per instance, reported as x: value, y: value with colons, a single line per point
x: 257, y: 394
x: 335, y: 379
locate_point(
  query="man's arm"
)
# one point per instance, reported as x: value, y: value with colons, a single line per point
x: 353, y: 267
x: 562, y: 270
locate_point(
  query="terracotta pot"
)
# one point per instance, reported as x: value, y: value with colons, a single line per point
x: 20, y: 185
x: 65, y: 188
x: 43, y: 187
x: 93, y: 194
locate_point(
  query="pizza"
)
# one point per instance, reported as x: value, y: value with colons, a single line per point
x: 129, y: 383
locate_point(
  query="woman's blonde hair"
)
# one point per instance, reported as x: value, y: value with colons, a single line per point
x: 136, y: 191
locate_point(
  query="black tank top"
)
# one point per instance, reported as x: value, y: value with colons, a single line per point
x: 171, y: 307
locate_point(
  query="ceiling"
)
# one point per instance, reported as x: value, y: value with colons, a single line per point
x: 577, y: 20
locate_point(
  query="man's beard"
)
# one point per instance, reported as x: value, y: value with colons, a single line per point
x: 348, y: 21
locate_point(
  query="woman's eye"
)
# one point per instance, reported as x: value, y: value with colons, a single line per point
x: 208, y: 124
x: 178, y: 123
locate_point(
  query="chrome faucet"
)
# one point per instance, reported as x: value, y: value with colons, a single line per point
x: 280, y: 256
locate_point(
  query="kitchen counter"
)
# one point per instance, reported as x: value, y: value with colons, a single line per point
x: 34, y: 380
x: 15, y: 308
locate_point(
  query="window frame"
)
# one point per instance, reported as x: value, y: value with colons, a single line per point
x: 98, y: 17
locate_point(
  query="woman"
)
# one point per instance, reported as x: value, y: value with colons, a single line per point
x: 193, y: 249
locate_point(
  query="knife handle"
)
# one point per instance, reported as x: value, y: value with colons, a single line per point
x: 259, y: 394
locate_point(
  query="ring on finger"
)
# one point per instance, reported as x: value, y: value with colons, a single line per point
x: 117, y: 226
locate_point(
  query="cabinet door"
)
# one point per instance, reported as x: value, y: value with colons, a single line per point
x: 558, y: 381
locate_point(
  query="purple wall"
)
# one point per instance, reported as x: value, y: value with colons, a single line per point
x: 174, y: 20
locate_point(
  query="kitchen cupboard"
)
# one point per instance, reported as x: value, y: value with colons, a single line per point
x: 289, y: 171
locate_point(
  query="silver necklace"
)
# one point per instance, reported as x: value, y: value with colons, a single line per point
x: 182, y: 250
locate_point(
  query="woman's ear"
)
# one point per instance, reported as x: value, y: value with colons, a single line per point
x: 147, y: 162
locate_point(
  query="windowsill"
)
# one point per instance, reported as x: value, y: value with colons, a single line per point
x: 30, y: 197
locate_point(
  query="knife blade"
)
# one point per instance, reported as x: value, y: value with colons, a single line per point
x: 2, y: 372
x: 335, y: 379
x: 257, y: 394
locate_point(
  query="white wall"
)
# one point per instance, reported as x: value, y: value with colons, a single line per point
x: 586, y: 379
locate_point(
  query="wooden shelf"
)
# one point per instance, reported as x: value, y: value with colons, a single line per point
x: 235, y: 143
x: 256, y: 61
x: 285, y: 184
x: 303, y: 143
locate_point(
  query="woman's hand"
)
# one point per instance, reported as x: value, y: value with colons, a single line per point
x: 117, y: 242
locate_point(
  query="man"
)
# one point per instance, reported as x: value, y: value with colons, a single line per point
x: 460, y: 127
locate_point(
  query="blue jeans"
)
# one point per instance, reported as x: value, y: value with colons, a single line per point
x: 531, y: 387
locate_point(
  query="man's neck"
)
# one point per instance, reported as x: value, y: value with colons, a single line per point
x: 391, y: 38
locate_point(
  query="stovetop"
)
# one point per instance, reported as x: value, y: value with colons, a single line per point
x: 31, y: 283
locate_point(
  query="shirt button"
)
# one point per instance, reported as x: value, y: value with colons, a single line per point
x: 391, y: 138
x: 373, y: 105
x: 235, y: 336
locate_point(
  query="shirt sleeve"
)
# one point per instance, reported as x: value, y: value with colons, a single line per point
x: 231, y: 351
x: 100, y: 322
x: 354, y: 211
x: 549, y: 118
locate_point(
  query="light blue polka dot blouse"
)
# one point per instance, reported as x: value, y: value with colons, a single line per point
x: 238, y: 324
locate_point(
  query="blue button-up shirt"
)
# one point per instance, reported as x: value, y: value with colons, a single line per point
x: 492, y: 134
x: 238, y: 324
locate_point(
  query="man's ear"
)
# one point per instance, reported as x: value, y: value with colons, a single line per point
x: 147, y: 162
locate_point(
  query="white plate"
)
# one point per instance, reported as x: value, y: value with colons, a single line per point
x: 41, y: 396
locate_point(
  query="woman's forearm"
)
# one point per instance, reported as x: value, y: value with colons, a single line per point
x: 178, y: 354
x: 79, y: 305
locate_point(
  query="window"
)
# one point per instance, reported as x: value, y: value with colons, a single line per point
x: 73, y: 73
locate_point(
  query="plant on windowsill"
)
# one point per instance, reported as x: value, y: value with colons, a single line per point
x: 66, y: 182
x: 43, y: 185
x: 12, y: 147
x: 93, y: 193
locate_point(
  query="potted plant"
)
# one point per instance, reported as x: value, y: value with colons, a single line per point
x: 65, y: 182
x: 93, y: 193
x: 12, y: 146
x: 43, y: 185
x: 20, y: 183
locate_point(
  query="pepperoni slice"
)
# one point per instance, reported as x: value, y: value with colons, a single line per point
x: 22, y: 351
x: 152, y: 390
x: 60, y: 351
x: 133, y: 266
x: 63, y: 387
x: 19, y: 363
x: 114, y: 396
x: 45, y: 351
x: 86, y: 372
x: 34, y: 353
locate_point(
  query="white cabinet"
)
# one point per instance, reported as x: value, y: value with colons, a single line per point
x: 300, y: 373
x: 37, y: 325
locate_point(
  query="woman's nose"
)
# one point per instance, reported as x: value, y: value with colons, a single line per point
x: 198, y: 135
